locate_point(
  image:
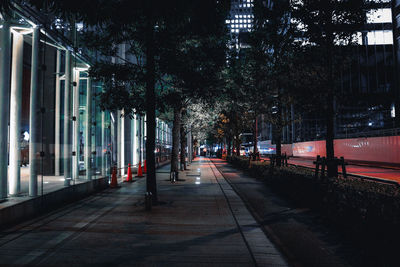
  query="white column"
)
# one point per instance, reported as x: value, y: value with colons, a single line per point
x: 118, y: 145
x: 103, y: 143
x: 34, y: 119
x: 144, y: 137
x: 14, y: 181
x: 5, y: 43
x: 139, y: 138
x: 122, y: 120
x: 134, y: 141
x: 67, y: 120
x: 75, y: 127
x: 57, y: 141
x: 88, y: 130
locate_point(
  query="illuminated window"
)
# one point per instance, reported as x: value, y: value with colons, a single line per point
x: 380, y: 37
x: 381, y: 15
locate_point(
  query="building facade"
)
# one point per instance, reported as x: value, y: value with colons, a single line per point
x: 52, y: 130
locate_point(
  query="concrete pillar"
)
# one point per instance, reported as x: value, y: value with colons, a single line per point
x: 57, y: 125
x: 75, y: 127
x: 88, y: 131
x: 34, y: 116
x: 5, y: 43
x: 14, y: 181
x: 67, y: 120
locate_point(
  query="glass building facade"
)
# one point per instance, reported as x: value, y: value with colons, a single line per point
x: 53, y: 133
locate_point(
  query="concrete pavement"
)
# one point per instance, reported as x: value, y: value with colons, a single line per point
x: 297, y: 229
x: 201, y: 221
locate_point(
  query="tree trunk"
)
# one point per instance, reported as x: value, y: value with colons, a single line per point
x: 175, y: 140
x: 278, y: 136
x: 229, y: 149
x: 151, y: 183
x: 330, y: 154
x: 237, y: 145
x: 330, y: 135
x: 183, y: 147
x: 255, y: 133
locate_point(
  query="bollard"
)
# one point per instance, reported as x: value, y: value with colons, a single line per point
x: 148, y: 199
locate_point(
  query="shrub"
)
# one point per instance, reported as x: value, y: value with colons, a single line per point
x: 361, y: 204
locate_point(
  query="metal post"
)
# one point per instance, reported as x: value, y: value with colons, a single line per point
x: 34, y: 119
x: 57, y: 127
x: 88, y: 132
x: 76, y: 128
x: 5, y: 43
x: 67, y: 120
x: 14, y: 182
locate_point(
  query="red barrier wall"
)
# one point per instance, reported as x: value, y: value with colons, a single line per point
x: 287, y: 148
x: 374, y: 149
x: 309, y: 149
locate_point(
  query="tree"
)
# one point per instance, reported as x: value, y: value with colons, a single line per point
x: 143, y: 27
x: 267, y: 65
x: 193, y: 58
x: 325, y: 26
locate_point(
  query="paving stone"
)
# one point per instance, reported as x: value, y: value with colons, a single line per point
x: 199, y: 224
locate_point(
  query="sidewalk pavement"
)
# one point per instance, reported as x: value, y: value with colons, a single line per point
x: 201, y: 222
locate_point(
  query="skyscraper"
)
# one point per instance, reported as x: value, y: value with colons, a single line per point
x: 241, y: 20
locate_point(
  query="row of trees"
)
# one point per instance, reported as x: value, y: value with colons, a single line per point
x: 167, y: 58
x: 296, y: 51
x: 176, y: 59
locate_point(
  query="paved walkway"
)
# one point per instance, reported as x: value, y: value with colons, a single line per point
x: 297, y: 229
x: 201, y: 223
x: 50, y: 184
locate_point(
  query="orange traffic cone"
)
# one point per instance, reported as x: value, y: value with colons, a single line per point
x: 114, y: 181
x: 145, y: 167
x: 129, y: 175
x: 140, y: 172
